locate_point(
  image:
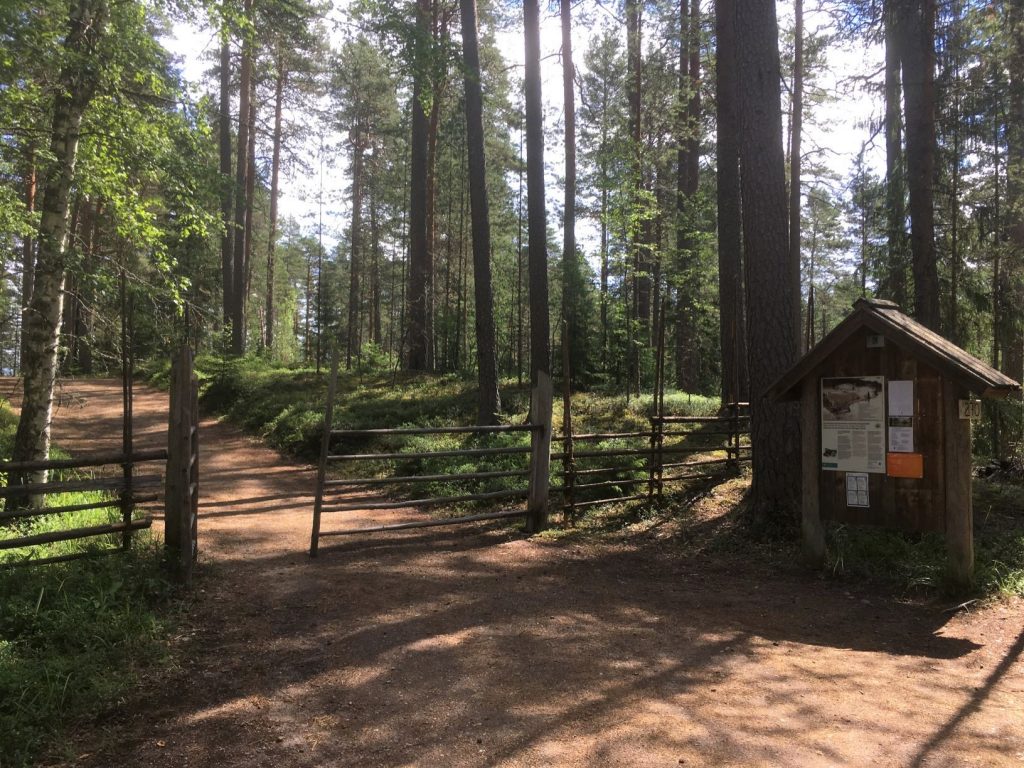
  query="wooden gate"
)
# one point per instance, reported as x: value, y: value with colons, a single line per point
x: 181, y: 499
x: 535, y: 493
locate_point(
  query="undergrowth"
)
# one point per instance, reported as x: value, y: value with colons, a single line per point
x: 73, y: 635
x: 918, y: 562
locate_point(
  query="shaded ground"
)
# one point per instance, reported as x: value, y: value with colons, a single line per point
x: 478, y: 647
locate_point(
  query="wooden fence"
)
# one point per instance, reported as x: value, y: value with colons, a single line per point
x: 181, y: 498
x: 687, y: 447
x: 535, y: 493
x: 25, y: 497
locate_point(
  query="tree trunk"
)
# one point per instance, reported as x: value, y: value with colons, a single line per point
x: 1012, y: 320
x: 637, y: 240
x: 28, y: 247
x: 250, y: 197
x: 241, y: 202
x: 687, y: 184
x: 41, y: 332
x: 773, y: 293
x: 916, y: 26
x: 275, y: 171
x: 489, y: 399
x: 731, y: 296
x: 418, y: 250
x: 540, y: 328
x: 796, y: 129
x: 571, y: 279
x: 227, y: 185
x: 893, y: 283
x: 375, y: 299
x: 355, y: 236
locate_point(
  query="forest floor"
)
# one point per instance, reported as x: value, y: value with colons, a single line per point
x: 478, y: 646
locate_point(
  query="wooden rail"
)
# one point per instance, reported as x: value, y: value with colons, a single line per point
x: 693, y: 436
x: 535, y: 511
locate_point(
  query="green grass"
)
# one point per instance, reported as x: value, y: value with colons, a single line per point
x: 918, y: 562
x: 74, y: 635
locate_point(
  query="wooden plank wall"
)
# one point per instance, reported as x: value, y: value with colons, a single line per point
x: 900, y: 503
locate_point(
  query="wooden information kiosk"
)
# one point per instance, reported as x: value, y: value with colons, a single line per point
x: 886, y: 409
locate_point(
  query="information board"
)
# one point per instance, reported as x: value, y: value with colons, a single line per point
x: 853, y: 424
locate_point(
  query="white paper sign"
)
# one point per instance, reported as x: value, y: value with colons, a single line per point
x: 901, y: 398
x: 857, y: 490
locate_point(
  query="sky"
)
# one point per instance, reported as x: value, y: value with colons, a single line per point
x: 833, y: 135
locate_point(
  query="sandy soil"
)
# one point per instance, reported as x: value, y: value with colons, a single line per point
x: 479, y: 647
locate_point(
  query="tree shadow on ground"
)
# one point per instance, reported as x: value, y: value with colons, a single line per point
x: 405, y: 649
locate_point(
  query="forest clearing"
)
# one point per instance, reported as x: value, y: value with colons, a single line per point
x: 471, y: 383
x: 479, y: 647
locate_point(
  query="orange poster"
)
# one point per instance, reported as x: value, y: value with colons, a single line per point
x: 904, y: 465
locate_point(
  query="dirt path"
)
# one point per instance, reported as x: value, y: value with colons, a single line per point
x: 476, y: 647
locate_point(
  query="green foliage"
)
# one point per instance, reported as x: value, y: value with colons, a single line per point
x: 918, y: 562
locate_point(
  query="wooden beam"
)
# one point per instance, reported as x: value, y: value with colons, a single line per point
x: 810, y: 505
x: 959, y: 504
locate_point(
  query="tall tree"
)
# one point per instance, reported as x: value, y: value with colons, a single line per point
x: 540, y: 326
x: 420, y: 268
x: 915, y: 23
x: 226, y: 183
x: 732, y: 297
x: 772, y: 279
x: 489, y: 400
x: 242, y: 200
x: 687, y: 184
x: 74, y: 89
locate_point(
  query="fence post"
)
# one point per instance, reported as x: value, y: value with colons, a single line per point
x: 181, y: 497
x: 325, y: 448
x: 540, y: 454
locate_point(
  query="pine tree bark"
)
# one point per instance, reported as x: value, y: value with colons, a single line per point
x: 732, y: 330
x: 687, y: 184
x: 227, y: 184
x: 275, y: 172
x: 418, y: 249
x: 570, y: 268
x: 537, y: 268
x: 489, y: 399
x: 916, y: 28
x: 355, y: 238
x: 773, y: 293
x: 1012, y: 319
x: 893, y: 281
x: 241, y: 199
x: 76, y: 85
x: 28, y: 246
x: 795, y: 135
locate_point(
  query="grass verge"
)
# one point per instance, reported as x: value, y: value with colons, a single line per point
x: 74, y: 635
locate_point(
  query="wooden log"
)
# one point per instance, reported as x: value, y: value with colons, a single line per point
x: 436, y: 501
x: 75, y: 486
x: 36, y: 512
x: 357, y: 481
x: 427, y: 454
x: 325, y: 449
x: 172, y: 492
x: 959, y: 503
x: 810, y: 503
x: 497, y: 428
x: 540, y: 454
x: 81, y: 462
x: 510, y: 513
x: 74, y: 533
